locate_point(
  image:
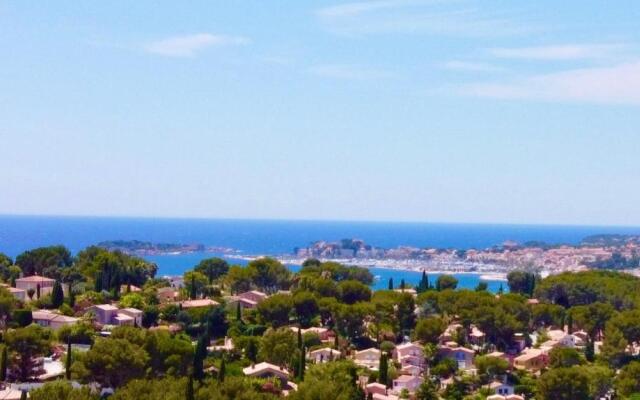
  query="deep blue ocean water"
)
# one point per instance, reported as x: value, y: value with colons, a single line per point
x: 20, y: 233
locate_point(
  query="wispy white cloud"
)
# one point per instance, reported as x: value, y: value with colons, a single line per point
x: 442, y: 17
x: 358, y: 8
x: 558, y: 52
x: 469, y: 66
x: 189, y: 45
x: 619, y: 84
x: 350, y: 72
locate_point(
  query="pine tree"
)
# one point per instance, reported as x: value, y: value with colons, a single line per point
x: 67, y: 365
x: 57, y: 295
x: 222, y: 370
x: 189, y: 395
x: 390, y: 283
x: 3, y: 364
x: 383, y: 369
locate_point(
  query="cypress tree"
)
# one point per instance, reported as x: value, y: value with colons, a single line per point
x: 23, y: 396
x: 3, y: 364
x: 390, y: 283
x: 115, y: 284
x: 72, y: 297
x: 294, y: 364
x: 98, y: 282
x: 238, y: 312
x: 189, y: 395
x: 423, y: 286
x: 57, y: 295
x: 570, y: 322
x: 383, y: 369
x: 302, y: 364
x: 67, y: 366
x: 299, y: 338
x: 222, y: 371
x: 192, y: 290
x: 402, y: 285
x: 198, y: 358
x: 501, y: 289
x: 252, y: 351
x: 38, y: 291
x: 589, y: 351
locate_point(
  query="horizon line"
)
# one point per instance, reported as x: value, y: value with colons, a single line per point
x: 315, y: 220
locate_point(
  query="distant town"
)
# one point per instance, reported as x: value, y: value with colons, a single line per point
x: 617, y: 252
x: 593, y: 252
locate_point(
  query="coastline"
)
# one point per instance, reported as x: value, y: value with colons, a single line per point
x: 486, y: 272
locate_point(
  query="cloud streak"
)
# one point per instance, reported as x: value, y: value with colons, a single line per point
x: 190, y: 45
x: 557, y: 52
x: 619, y: 84
x: 441, y: 17
x: 362, y: 7
x: 349, y: 72
x: 469, y: 66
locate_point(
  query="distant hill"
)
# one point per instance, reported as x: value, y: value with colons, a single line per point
x: 148, y: 248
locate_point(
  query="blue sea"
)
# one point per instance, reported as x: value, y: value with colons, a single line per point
x: 273, y: 237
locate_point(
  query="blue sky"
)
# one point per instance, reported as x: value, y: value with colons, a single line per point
x: 440, y: 110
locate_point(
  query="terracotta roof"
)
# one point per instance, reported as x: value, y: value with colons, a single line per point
x: 10, y: 394
x: 132, y: 310
x: 369, y: 350
x: 528, y: 354
x: 408, y: 346
x: 265, y: 367
x: 376, y: 385
x: 406, y: 378
x: 325, y: 349
x: 198, y: 303
x: 123, y: 317
x: 44, y: 315
x: 35, y: 278
x: 106, y: 307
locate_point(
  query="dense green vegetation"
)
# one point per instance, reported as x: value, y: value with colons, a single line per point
x: 167, y: 356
